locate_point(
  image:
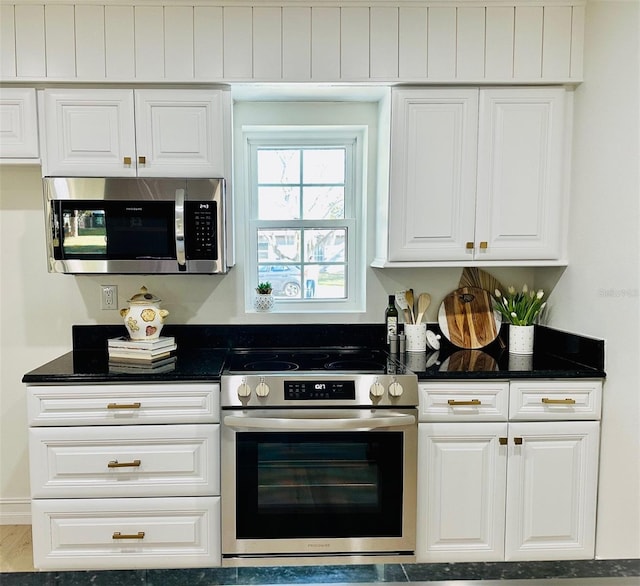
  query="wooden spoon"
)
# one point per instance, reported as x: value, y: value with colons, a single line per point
x: 424, y: 300
x: 409, y: 296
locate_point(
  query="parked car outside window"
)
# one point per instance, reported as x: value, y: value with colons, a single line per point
x: 285, y: 279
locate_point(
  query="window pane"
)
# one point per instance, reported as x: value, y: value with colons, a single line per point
x: 279, y: 203
x: 278, y: 166
x: 325, y: 245
x: 324, y: 166
x: 323, y: 203
x: 279, y: 245
x: 332, y: 282
x: 285, y: 279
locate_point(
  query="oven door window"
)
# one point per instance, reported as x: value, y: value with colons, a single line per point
x: 337, y: 484
x: 115, y: 230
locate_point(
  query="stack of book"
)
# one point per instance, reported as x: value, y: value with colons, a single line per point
x: 127, y: 355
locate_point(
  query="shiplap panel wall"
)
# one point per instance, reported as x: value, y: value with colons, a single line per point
x: 408, y: 42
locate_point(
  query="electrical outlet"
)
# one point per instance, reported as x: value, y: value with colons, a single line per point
x: 109, y: 297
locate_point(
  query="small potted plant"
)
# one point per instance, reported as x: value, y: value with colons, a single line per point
x: 264, y: 297
x: 520, y: 310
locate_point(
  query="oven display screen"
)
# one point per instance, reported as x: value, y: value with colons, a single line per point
x: 318, y: 390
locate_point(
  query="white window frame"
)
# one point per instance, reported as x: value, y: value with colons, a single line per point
x: 354, y: 139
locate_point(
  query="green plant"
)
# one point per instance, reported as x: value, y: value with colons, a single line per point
x: 519, y: 308
x: 264, y: 288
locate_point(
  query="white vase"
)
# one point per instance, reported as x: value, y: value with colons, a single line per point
x: 264, y: 302
x: 520, y: 339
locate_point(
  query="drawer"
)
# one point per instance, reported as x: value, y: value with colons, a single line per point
x: 97, y: 534
x: 555, y: 400
x: 123, y: 404
x: 464, y: 401
x: 145, y: 460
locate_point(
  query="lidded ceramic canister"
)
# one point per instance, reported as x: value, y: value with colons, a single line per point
x: 144, y: 318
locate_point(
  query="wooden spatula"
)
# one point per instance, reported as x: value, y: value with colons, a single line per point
x: 409, y: 296
x: 424, y: 300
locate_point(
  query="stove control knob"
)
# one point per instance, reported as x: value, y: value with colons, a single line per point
x: 244, y: 390
x: 395, y: 389
x: 376, y: 390
x: 262, y: 390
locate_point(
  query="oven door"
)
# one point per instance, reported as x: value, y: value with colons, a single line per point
x: 313, y: 482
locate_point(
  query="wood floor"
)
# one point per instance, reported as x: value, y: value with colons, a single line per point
x: 15, y: 548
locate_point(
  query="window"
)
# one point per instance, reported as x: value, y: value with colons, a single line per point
x: 306, y: 210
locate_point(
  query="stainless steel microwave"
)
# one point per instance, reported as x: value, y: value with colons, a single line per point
x: 135, y: 225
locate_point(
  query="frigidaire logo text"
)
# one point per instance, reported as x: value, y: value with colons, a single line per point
x: 133, y: 209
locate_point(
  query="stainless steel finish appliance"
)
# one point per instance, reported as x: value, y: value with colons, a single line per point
x: 135, y: 225
x: 318, y: 456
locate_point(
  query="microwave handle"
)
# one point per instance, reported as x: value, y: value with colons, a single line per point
x: 180, y: 255
x: 310, y: 424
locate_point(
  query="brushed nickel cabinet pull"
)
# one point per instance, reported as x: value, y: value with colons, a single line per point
x: 483, y: 245
x: 455, y: 403
x: 469, y: 246
x: 116, y: 464
x: 127, y: 160
x: 135, y: 405
x: 502, y: 441
x: 142, y: 160
x: 548, y: 401
x: 118, y: 535
x: 517, y: 441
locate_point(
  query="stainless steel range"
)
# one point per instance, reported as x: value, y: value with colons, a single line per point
x: 318, y: 456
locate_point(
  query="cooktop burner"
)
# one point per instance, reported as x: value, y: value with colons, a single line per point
x: 310, y: 360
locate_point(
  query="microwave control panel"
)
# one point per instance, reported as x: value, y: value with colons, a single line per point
x: 200, y: 230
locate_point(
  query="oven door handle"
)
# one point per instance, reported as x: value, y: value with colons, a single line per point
x: 311, y: 424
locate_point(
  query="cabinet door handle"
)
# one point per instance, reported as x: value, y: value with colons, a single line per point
x: 127, y: 160
x: 469, y: 246
x: 502, y: 441
x: 455, y: 403
x: 142, y: 160
x: 517, y: 441
x: 118, y: 535
x: 116, y: 464
x: 483, y: 245
x: 567, y: 401
x: 135, y: 405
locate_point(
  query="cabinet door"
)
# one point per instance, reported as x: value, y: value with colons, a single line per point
x: 18, y: 123
x: 433, y: 174
x: 180, y: 133
x: 551, y: 494
x: 520, y: 167
x: 461, y: 492
x: 89, y: 133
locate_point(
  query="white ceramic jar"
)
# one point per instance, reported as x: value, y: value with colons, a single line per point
x: 144, y: 318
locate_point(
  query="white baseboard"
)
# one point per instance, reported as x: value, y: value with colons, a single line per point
x: 15, y: 511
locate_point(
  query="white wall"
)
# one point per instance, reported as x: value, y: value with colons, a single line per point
x: 599, y: 292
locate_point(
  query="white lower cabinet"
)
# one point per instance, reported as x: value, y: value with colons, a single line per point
x: 125, y: 476
x: 127, y: 533
x: 506, y: 490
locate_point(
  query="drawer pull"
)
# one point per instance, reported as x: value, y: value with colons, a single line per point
x: 118, y: 535
x: 455, y: 403
x: 517, y: 441
x: 123, y: 406
x: 116, y: 464
x: 502, y: 441
x: 548, y: 401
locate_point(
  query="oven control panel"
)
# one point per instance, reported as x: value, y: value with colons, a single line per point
x: 310, y: 390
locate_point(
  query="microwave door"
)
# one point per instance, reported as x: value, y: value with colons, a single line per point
x: 179, y: 228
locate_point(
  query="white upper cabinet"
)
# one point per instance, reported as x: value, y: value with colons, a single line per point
x: 128, y: 133
x: 18, y: 124
x: 476, y: 176
x: 294, y: 42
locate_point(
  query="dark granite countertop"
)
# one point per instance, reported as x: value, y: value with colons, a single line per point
x: 202, y: 350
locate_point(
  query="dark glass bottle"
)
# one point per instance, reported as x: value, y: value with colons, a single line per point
x: 391, y: 318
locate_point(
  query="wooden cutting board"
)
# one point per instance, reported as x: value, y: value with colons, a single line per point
x: 467, y: 319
